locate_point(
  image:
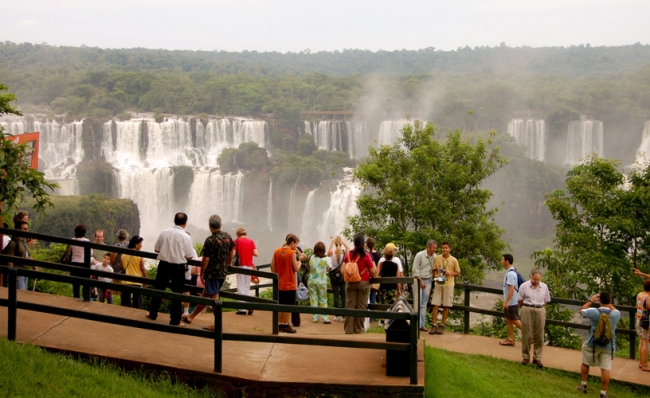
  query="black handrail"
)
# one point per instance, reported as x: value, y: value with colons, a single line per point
x: 467, y: 308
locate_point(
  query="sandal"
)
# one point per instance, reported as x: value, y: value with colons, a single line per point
x: 645, y: 368
x: 507, y: 342
x: 185, y: 319
x: 210, y: 328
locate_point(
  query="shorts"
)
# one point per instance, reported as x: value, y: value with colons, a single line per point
x: 212, y: 286
x: 512, y: 313
x: 443, y: 296
x: 640, y: 331
x: 287, y: 297
x: 602, y: 359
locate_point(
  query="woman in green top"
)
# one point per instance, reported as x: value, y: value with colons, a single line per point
x: 318, y: 266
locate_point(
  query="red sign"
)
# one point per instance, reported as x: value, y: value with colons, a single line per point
x: 32, y: 140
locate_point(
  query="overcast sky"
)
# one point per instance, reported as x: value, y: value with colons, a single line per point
x: 320, y: 25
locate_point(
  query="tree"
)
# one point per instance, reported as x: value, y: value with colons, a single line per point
x: 425, y: 187
x: 603, y: 220
x: 18, y: 178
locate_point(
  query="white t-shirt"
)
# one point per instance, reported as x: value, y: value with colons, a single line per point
x: 174, y: 246
x: 5, y: 241
x: 100, y: 267
x: 396, y: 260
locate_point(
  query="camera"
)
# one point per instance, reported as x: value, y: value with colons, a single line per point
x: 442, y: 278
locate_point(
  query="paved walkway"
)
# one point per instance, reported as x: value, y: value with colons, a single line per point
x: 261, y: 362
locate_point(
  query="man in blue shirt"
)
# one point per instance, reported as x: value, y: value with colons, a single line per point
x: 510, y: 303
x: 600, y: 356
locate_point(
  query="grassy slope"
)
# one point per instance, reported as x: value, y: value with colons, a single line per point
x: 28, y: 371
x: 450, y: 374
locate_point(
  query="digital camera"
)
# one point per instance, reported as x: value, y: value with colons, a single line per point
x: 442, y: 278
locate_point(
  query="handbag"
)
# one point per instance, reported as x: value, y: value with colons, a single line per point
x: 644, y: 322
x: 302, y: 293
x: 335, y: 274
x: 255, y: 280
x: 235, y: 260
x: 66, y: 258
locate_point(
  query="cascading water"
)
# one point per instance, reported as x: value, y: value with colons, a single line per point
x: 60, y: 149
x: 269, y: 206
x: 643, y: 153
x: 350, y: 137
x: 391, y: 130
x: 584, y: 138
x: 530, y: 133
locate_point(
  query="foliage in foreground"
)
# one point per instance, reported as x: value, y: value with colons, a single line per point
x: 450, y: 374
x: 427, y: 187
x: 29, y: 371
x: 602, y: 231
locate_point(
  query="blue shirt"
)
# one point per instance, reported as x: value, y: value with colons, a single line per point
x: 593, y: 314
x: 510, y: 279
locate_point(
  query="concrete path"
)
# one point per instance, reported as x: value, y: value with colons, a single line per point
x: 261, y: 362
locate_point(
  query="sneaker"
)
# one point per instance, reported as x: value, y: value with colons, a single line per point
x: 327, y: 323
x: 582, y: 388
x: 603, y: 395
x: 440, y: 329
x: 432, y: 330
x: 240, y: 313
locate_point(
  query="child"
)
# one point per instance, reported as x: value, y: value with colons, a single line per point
x: 104, y: 294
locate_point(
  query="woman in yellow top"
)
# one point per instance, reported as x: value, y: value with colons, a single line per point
x: 133, y: 266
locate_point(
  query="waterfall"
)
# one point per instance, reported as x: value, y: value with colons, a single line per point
x: 584, y: 137
x: 530, y: 133
x: 643, y: 153
x: 342, y: 204
x: 350, y: 137
x: 60, y: 148
x: 215, y: 193
x: 269, y: 206
x: 391, y: 130
x: 308, y: 220
x: 291, y: 210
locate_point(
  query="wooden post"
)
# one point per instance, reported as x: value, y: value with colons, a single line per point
x: 633, y: 335
x: 276, y: 296
x: 12, y: 307
x: 466, y: 313
x: 217, y: 308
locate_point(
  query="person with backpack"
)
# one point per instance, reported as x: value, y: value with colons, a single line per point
x: 358, y: 268
x: 599, y: 348
x: 511, y: 283
x: 533, y: 296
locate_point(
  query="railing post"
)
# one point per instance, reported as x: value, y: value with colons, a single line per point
x: 12, y: 308
x: 633, y: 335
x: 276, y: 296
x: 217, y: 308
x: 466, y: 313
x: 413, y: 348
x: 415, y: 287
x: 86, y: 287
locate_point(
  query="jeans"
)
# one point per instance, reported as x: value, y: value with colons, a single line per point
x: 424, y: 300
x: 338, y: 289
x: 21, y: 282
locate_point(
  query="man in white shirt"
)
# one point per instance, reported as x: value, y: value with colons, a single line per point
x: 532, y: 297
x: 174, y: 248
x: 423, y: 270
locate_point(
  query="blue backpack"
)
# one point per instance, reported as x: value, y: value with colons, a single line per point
x: 520, y: 279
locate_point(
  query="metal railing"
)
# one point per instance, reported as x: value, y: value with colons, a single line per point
x: 246, y: 303
x: 467, y: 309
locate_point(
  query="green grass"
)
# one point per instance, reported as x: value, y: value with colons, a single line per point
x: 449, y: 374
x: 28, y: 371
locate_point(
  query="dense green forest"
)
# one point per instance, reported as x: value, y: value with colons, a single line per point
x: 477, y: 89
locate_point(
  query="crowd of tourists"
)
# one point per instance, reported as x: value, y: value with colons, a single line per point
x: 349, y: 271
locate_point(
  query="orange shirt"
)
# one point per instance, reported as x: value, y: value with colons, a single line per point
x: 283, y: 258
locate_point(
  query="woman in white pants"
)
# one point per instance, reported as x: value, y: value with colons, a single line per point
x: 245, y: 250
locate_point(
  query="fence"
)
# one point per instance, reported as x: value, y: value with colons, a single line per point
x: 467, y: 308
x: 247, y: 303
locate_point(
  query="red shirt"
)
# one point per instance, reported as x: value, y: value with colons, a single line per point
x: 364, y: 263
x: 244, y: 248
x: 283, y: 258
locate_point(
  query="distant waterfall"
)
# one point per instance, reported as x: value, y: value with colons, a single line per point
x: 350, y: 137
x: 643, y: 153
x: 391, y: 130
x: 269, y: 206
x: 584, y: 137
x: 60, y: 148
x: 214, y: 193
x: 308, y: 220
x: 343, y: 204
x: 530, y: 133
